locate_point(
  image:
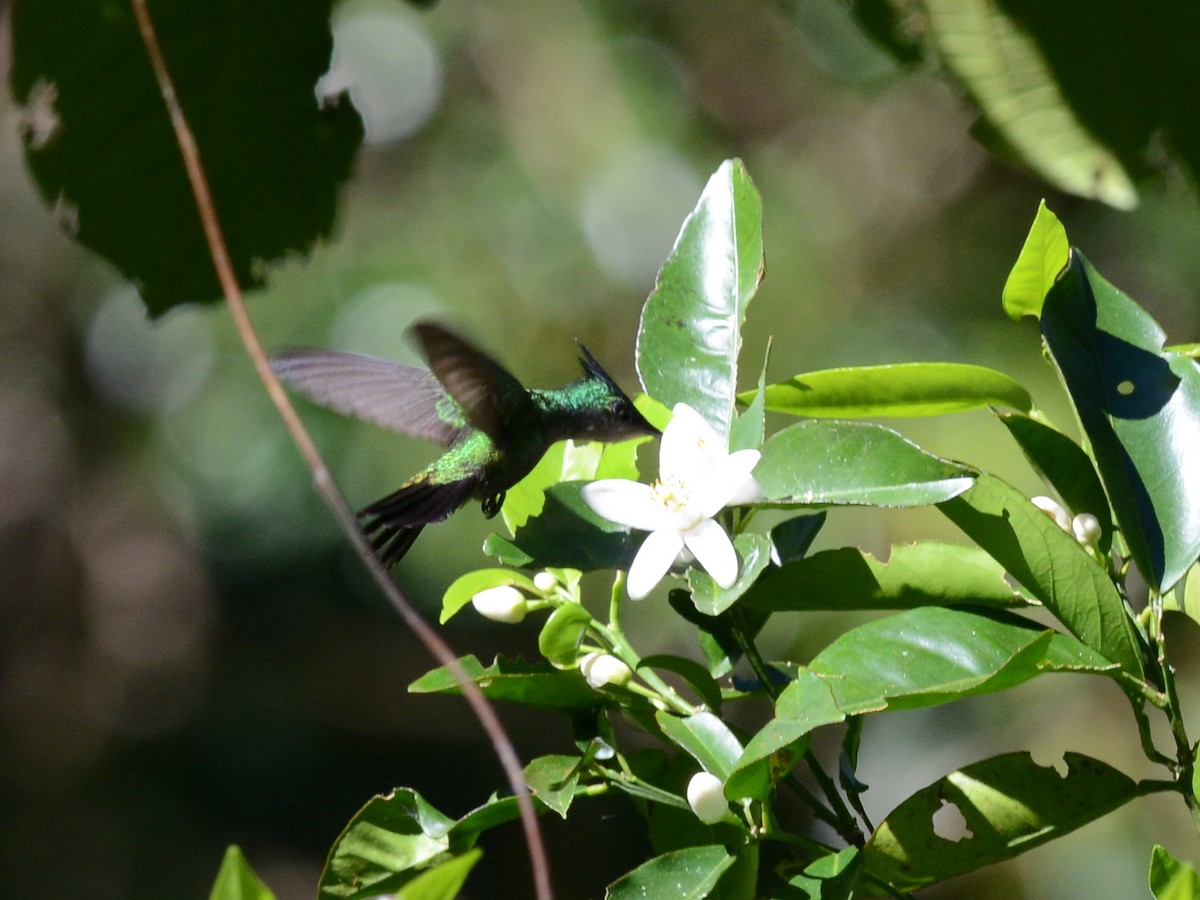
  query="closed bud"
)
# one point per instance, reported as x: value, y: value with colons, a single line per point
x: 1055, y: 511
x: 1086, y: 529
x: 503, y: 603
x: 706, y: 797
x: 601, y: 669
x: 545, y: 582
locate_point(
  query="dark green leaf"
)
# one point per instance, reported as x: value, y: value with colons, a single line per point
x: 826, y: 462
x: 688, y: 874
x: 237, y: 881
x: 691, y: 330
x: 1010, y: 804
x: 554, y: 780
x: 389, y: 838
x: 693, y: 673
x: 568, y: 534
x: 1050, y: 564
x: 1140, y: 408
x: 441, y: 882
x: 1066, y: 467
x: 925, y: 574
x: 1044, y: 256
x: 245, y: 76
x: 1171, y: 879
x: 754, y: 551
x: 905, y: 389
x: 705, y: 737
x: 534, y: 684
x: 497, y: 811
x: 792, y: 539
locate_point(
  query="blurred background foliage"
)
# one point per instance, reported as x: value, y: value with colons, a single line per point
x: 189, y: 655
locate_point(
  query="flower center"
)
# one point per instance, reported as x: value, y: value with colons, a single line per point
x: 675, y: 498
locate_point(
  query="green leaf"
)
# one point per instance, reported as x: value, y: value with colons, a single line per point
x: 1171, y: 879
x: 1185, y: 598
x: 497, y: 811
x: 442, y: 882
x: 1010, y: 804
x: 1042, y: 259
x: 561, y: 635
x: 1063, y: 464
x: 244, y: 75
x: 465, y: 587
x: 554, y: 780
x: 705, y: 737
x: 237, y: 881
x: 754, y: 552
x: 830, y: 877
x: 567, y: 534
x: 1008, y: 77
x: 1049, y: 564
x: 688, y: 874
x: 930, y: 573
x: 385, y: 841
x: 905, y: 389
x: 534, y: 684
x: 691, y: 328
x: 792, y: 538
x: 749, y: 428
x: 697, y: 677
x: 824, y: 463
x: 1140, y: 409
x: 930, y: 655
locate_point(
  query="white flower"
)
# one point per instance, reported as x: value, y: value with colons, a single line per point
x: 697, y: 478
x: 706, y: 797
x: 1086, y: 529
x: 503, y: 603
x: 1054, y: 510
x: 601, y: 668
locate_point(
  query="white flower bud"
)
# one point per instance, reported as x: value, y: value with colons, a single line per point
x: 545, y: 582
x: 503, y: 603
x: 706, y: 797
x: 1086, y: 529
x: 601, y: 668
x: 1054, y: 510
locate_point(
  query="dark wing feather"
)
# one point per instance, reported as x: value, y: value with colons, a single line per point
x: 403, y: 398
x: 492, y: 399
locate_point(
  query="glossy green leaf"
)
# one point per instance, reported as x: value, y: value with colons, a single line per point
x: 237, y: 881
x: 705, y: 737
x: 792, y: 538
x: 830, y: 877
x: 497, y: 811
x: 1049, y: 564
x: 534, y: 684
x: 566, y: 533
x: 1140, y: 408
x: 441, y: 882
x: 805, y: 704
x: 1010, y: 804
x: 691, y: 329
x: 749, y: 427
x: 1042, y: 259
x: 1008, y: 77
x: 1171, y: 879
x: 554, y: 780
x: 1063, y: 464
x: 930, y: 573
x: 905, y: 389
x: 106, y: 156
x: 754, y: 554
x: 827, y: 463
x: 505, y: 551
x: 1185, y: 598
x: 698, y: 678
x: 688, y: 874
x: 465, y: 587
x: 386, y: 840
x: 560, y: 637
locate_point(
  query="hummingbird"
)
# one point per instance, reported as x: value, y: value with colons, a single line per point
x: 495, y: 430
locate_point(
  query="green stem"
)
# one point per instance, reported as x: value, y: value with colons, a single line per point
x: 846, y: 826
x: 1184, y: 768
x: 819, y: 809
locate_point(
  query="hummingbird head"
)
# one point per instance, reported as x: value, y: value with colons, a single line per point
x: 603, y: 411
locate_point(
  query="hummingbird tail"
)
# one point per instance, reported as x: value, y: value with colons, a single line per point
x: 393, y: 523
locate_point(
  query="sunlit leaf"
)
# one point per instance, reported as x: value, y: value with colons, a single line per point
x: 534, y: 684
x: 754, y: 553
x: 929, y: 573
x: 1171, y: 879
x: 1140, y: 408
x: 691, y: 330
x: 1009, y: 803
x: 904, y: 389
x: 245, y: 77
x: 1049, y: 564
x: 688, y: 874
x: 697, y: 677
x: 237, y: 881
x: 559, y: 638
x: 553, y: 780
x: 465, y: 587
x: 830, y: 877
x: 827, y: 463
x: 706, y: 738
x: 1185, y: 598
x: 1044, y: 256
x: 441, y: 882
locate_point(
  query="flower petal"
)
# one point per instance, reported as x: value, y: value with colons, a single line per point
x: 625, y: 502
x: 726, y: 481
x: 690, y: 448
x: 714, y: 551
x: 653, y: 559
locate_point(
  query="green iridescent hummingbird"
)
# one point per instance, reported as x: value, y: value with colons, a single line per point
x: 495, y: 429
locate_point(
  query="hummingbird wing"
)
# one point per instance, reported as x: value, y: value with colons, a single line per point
x: 492, y: 399
x: 402, y: 398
